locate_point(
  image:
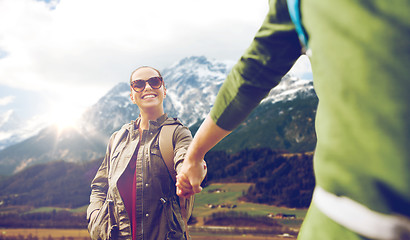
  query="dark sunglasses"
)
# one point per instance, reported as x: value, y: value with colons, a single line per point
x: 139, y: 84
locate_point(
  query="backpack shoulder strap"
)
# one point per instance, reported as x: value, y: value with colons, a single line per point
x: 296, y: 17
x: 166, y: 147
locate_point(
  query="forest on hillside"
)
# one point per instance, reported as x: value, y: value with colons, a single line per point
x: 280, y: 178
x: 283, y: 179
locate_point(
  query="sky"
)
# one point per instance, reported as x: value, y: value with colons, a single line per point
x: 58, y: 57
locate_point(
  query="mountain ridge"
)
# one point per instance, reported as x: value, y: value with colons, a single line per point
x: 192, y: 85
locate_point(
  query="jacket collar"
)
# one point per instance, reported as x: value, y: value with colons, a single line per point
x: 153, y: 125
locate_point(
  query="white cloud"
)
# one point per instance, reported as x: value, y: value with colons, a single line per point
x: 6, y: 100
x: 82, y: 48
x: 4, y: 117
x: 301, y: 67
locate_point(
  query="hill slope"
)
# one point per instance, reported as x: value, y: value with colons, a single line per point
x: 282, y: 177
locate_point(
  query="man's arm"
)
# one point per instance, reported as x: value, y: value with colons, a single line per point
x: 272, y: 53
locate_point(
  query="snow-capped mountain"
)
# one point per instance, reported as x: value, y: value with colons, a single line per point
x: 297, y: 83
x: 192, y: 85
x: 290, y: 87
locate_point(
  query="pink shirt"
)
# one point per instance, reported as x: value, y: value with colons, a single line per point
x: 127, y: 188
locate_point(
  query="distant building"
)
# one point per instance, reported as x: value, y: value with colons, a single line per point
x: 282, y: 216
x: 216, y: 191
x: 223, y: 205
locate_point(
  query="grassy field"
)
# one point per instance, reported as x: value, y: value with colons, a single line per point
x: 228, y: 193
x: 42, y: 233
x: 215, y: 194
x: 82, y: 234
x: 51, y: 209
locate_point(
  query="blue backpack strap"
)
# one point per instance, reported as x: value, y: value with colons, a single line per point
x: 294, y: 11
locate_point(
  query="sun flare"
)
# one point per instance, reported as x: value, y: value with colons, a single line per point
x: 64, y: 116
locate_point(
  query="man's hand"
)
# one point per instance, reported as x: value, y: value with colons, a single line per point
x: 194, y: 168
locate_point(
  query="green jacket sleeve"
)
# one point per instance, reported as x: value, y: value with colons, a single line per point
x: 272, y: 53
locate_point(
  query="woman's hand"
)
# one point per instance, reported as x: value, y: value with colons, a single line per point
x: 190, y: 177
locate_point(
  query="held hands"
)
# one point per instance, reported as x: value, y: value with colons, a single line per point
x: 190, y: 178
x: 194, y: 169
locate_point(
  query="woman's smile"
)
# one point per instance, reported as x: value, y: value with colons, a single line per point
x: 148, y: 96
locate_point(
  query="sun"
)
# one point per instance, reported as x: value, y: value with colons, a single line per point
x: 64, y: 115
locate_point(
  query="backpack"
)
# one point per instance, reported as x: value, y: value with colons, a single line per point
x: 166, y: 148
x: 296, y: 17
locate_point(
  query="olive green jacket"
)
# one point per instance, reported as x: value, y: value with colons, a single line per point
x: 158, y: 210
x: 360, y: 55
